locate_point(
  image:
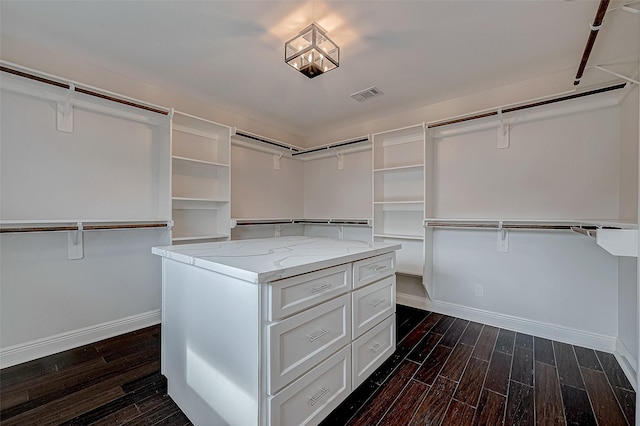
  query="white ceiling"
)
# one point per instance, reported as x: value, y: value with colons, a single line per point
x: 230, y: 53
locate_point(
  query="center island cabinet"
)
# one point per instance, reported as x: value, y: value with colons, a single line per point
x: 274, y: 331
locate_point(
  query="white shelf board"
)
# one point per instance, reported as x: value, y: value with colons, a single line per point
x: 618, y: 242
x: 205, y: 200
x: 400, y: 236
x: 74, y: 221
x: 615, y: 223
x: 181, y: 203
x: 407, y: 202
x: 400, y: 168
x: 200, y: 237
x: 196, y: 161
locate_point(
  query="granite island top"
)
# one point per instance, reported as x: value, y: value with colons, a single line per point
x: 268, y: 259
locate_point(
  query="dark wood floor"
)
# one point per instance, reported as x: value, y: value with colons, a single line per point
x: 446, y: 371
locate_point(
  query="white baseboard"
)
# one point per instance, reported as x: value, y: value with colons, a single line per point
x: 536, y: 328
x: 628, y: 363
x: 35, y: 349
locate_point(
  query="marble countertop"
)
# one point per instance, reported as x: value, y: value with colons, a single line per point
x: 268, y: 259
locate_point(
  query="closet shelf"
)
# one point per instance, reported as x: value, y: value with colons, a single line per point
x: 200, y: 237
x: 19, y: 79
x: 400, y: 168
x: 399, y: 203
x: 618, y: 237
x: 400, y: 236
x: 57, y: 225
x: 181, y: 203
x: 494, y: 223
x: 196, y: 161
x: 341, y: 222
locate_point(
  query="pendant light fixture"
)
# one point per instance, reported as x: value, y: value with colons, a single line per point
x: 311, y: 52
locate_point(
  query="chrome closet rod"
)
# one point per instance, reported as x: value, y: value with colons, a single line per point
x: 259, y: 139
x: 595, y: 27
x: 526, y: 106
x: 80, y: 90
x: 335, y: 145
x: 57, y: 228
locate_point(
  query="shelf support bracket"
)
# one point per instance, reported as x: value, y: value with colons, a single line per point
x: 340, y: 232
x: 340, y: 158
x: 503, y: 132
x: 503, y: 239
x: 75, y: 243
x: 65, y: 112
x: 276, y: 160
x: 278, y: 231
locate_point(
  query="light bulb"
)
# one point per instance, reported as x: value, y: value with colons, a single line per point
x: 310, y: 56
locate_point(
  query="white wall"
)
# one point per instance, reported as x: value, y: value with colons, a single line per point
x: 44, y: 294
x: 260, y: 191
x: 562, y: 167
x: 108, y: 168
x: 94, y: 72
x: 338, y: 194
x: 555, y: 278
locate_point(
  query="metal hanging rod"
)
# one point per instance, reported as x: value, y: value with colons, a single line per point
x: 355, y: 222
x: 263, y: 140
x: 81, y: 90
x: 595, y: 27
x: 495, y: 225
x: 335, y: 145
x: 253, y: 222
x: 526, y: 106
x: 79, y: 226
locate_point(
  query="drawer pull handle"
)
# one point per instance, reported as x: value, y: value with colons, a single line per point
x: 318, y: 334
x: 378, y: 267
x: 375, y: 303
x: 320, y: 288
x: 318, y: 396
x: 376, y: 347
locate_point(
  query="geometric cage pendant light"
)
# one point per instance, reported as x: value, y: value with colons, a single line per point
x: 311, y: 52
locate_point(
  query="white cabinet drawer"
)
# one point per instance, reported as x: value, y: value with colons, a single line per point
x: 309, y: 399
x: 369, y: 270
x: 373, y: 303
x: 292, y: 295
x: 300, y: 342
x: 372, y: 349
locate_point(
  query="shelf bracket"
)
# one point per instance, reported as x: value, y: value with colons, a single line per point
x: 619, y: 242
x: 75, y: 243
x: 340, y: 158
x: 340, y: 232
x: 65, y: 112
x: 503, y: 239
x: 278, y: 231
x: 503, y: 132
x: 276, y: 160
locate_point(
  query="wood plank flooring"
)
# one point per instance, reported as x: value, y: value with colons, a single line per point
x: 445, y: 371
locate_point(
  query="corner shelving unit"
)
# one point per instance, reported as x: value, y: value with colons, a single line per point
x: 200, y: 179
x: 399, y: 194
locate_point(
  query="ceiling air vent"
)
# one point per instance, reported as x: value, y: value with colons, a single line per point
x: 366, y: 94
